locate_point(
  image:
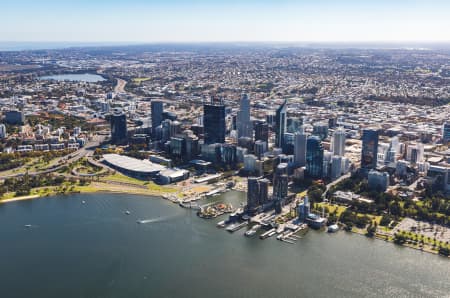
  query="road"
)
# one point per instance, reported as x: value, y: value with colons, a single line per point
x: 329, y: 185
x: 120, y: 87
x: 86, y: 151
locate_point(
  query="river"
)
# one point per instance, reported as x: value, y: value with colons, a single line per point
x: 93, y: 249
x: 85, y: 77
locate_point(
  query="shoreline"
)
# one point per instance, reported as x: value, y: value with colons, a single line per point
x: 161, y: 196
x: 141, y: 192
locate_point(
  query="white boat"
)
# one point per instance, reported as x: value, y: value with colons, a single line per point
x: 221, y: 224
x: 234, y: 227
x: 250, y: 233
x: 83, y: 202
x: 333, y: 228
x: 127, y: 212
x: 27, y: 226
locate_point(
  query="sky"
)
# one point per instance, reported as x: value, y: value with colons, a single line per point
x: 225, y: 20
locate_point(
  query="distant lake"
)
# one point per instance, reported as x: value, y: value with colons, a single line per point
x: 86, y: 77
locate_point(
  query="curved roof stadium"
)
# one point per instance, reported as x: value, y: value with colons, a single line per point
x: 130, y: 164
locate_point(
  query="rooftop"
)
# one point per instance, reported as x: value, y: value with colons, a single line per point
x: 133, y: 164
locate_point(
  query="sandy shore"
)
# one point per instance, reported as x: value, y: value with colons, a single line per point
x: 93, y: 188
x: 19, y: 199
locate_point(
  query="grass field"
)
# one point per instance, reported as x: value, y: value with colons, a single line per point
x: 332, y: 208
x: 140, y: 80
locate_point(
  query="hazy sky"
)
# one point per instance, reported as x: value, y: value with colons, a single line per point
x: 224, y: 20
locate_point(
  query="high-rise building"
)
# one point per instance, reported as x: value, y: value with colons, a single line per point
x: 336, y: 167
x: 320, y: 129
x: 252, y: 194
x: 260, y: 148
x: 446, y: 132
x: 214, y: 123
x: 414, y: 153
x: 280, y: 124
x: 303, y: 210
x: 257, y: 193
x: 263, y: 191
x: 243, y: 123
x: 288, y: 143
x: 280, y: 181
x: 3, y: 133
x: 293, y: 125
x: 300, y: 138
x: 228, y: 154
x: 338, y: 142
x: 378, y: 180
x: 14, y: 117
x: 157, y: 110
x: 118, y: 127
x: 262, y: 131
x: 314, y: 157
x: 369, y: 149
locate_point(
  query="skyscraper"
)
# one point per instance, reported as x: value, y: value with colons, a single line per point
x: 280, y: 181
x: 338, y: 142
x: 392, y: 151
x: 336, y: 167
x: 314, y: 157
x: 118, y: 127
x: 214, y: 123
x: 263, y: 191
x: 244, y: 126
x: 262, y: 132
x: 280, y: 124
x: 157, y: 114
x: 369, y: 149
x: 252, y: 194
x: 446, y: 132
x: 3, y: 133
x: 300, y: 147
x: 320, y: 129
x: 257, y: 193
x: 414, y: 153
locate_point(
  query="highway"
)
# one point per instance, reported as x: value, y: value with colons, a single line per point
x: 86, y: 151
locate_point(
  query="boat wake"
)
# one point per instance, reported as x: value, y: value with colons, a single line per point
x: 153, y: 220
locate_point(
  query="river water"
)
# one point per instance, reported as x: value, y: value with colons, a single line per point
x: 93, y: 249
x: 86, y: 77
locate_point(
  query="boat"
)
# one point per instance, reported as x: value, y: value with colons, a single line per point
x: 83, y: 202
x: 268, y: 234
x: 333, y: 228
x: 221, y: 224
x: 127, y: 212
x: 27, y: 226
x: 250, y: 233
x: 234, y: 227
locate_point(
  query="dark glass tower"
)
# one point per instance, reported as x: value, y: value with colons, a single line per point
x: 369, y: 149
x: 280, y: 182
x: 157, y: 114
x: 280, y: 124
x: 214, y: 123
x: 118, y: 127
x: 262, y: 132
x: 252, y: 194
x: 314, y: 157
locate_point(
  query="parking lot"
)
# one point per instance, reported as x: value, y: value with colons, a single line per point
x: 439, y: 232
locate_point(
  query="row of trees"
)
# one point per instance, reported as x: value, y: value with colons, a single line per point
x: 434, y: 206
x: 23, y: 185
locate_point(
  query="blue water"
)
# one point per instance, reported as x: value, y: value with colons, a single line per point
x: 96, y: 250
x: 87, y: 77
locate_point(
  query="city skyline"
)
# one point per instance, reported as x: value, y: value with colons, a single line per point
x: 140, y: 21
